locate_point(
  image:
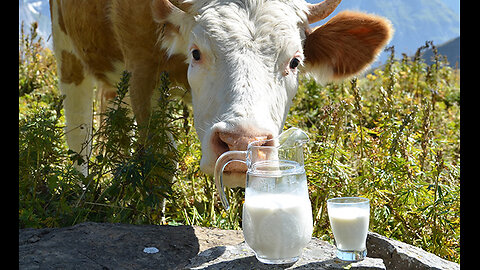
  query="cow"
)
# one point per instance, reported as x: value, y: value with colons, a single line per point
x: 239, y: 60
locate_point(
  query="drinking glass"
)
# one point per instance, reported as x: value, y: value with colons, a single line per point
x: 349, y: 219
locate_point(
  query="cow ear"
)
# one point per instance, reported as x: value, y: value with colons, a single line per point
x: 345, y: 45
x: 175, y: 25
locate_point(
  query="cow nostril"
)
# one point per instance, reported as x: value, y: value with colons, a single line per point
x: 219, y: 146
x: 223, y: 141
x: 229, y: 141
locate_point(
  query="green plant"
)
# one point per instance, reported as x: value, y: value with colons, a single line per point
x: 37, y: 68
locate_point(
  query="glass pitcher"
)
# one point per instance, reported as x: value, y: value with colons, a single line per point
x: 277, y: 215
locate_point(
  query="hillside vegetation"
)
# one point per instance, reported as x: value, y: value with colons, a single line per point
x: 391, y: 136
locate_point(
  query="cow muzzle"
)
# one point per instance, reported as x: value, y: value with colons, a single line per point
x: 225, y: 140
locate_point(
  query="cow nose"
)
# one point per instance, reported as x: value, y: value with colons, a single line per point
x: 239, y: 141
x: 224, y: 141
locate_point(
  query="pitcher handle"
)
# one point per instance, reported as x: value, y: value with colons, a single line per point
x: 222, y: 161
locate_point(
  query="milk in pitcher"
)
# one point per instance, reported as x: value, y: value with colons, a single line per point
x: 277, y: 225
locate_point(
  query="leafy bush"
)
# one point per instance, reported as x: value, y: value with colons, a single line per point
x: 392, y: 136
x: 128, y: 179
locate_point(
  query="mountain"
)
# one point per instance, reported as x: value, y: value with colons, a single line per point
x: 450, y: 49
x: 414, y: 21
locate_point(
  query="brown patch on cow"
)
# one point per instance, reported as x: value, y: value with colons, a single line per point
x: 61, y: 23
x: 347, y: 43
x: 50, y: 4
x: 107, y: 33
x: 109, y: 95
x: 91, y: 32
x: 161, y: 9
x: 137, y: 33
x: 176, y: 68
x: 105, y: 94
x: 71, y: 69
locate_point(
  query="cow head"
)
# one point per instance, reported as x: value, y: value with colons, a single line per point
x: 244, y: 58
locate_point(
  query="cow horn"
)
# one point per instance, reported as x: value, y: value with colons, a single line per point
x: 320, y: 11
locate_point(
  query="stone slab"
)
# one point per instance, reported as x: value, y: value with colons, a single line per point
x: 317, y: 255
x: 398, y: 255
x: 106, y: 246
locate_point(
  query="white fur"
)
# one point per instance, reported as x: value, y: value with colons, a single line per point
x: 240, y: 81
x: 78, y: 102
x: 78, y: 99
x: 321, y: 73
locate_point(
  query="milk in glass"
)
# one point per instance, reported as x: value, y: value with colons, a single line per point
x: 350, y: 227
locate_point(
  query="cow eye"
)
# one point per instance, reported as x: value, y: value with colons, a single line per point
x: 196, y: 54
x: 294, y: 63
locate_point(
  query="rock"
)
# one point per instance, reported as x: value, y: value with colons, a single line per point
x: 399, y: 255
x: 107, y: 246
x: 122, y: 246
x: 317, y: 255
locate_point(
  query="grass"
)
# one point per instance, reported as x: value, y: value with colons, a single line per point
x: 391, y: 136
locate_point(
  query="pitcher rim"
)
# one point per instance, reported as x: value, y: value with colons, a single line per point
x: 251, y: 144
x: 296, y: 168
